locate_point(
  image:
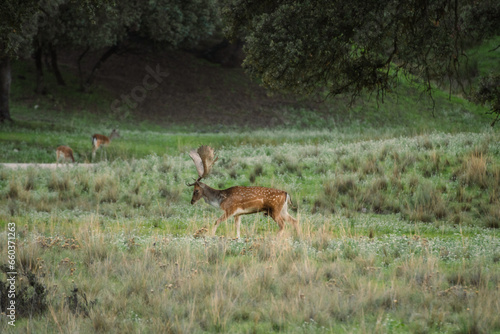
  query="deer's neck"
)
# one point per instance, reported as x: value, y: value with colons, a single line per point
x: 212, y: 196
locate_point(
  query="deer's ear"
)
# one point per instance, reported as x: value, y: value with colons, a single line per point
x: 197, y: 162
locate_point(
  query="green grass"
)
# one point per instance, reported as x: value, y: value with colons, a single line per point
x: 487, y: 56
x: 66, y: 116
x: 374, y: 254
x: 398, y: 209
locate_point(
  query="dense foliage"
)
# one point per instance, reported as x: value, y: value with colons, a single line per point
x: 18, y: 24
x: 40, y: 26
x: 488, y: 92
x: 357, y: 45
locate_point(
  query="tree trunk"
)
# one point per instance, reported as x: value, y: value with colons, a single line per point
x: 40, y: 85
x: 5, y: 80
x: 55, y: 65
x: 226, y: 53
x: 111, y: 51
x: 80, y: 73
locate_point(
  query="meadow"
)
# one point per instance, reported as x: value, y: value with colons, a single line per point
x: 398, y: 207
x: 397, y: 235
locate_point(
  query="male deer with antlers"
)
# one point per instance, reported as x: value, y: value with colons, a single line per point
x: 239, y: 200
x: 102, y: 140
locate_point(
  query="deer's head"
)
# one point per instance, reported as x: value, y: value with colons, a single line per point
x: 114, y: 134
x: 203, y: 159
x: 197, y: 192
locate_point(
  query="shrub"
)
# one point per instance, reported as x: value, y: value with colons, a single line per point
x: 492, y: 218
x: 371, y: 166
x: 426, y: 204
x: 29, y: 183
x: 107, y: 187
x: 473, y: 171
x: 15, y: 189
x: 258, y: 171
x: 78, y: 303
x: 31, y: 295
x: 60, y: 182
x: 169, y: 193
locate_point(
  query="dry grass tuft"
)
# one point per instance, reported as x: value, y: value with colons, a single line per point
x: 474, y: 171
x: 107, y: 187
x: 60, y: 182
x: 426, y: 204
x: 30, y: 181
x: 15, y: 189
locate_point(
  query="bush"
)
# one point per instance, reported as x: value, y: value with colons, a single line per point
x: 426, y: 204
x: 30, y: 294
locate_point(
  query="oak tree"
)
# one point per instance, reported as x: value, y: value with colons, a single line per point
x: 358, y: 45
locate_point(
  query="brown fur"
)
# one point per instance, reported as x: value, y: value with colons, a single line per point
x: 102, y: 140
x: 65, y: 152
x: 237, y: 201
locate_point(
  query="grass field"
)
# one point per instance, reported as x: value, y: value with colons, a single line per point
x: 397, y: 235
x: 398, y: 207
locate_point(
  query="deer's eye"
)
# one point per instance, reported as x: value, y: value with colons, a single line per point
x: 196, y: 191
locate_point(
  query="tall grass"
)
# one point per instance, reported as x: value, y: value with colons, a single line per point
x: 398, y: 235
x: 329, y: 280
x: 440, y: 177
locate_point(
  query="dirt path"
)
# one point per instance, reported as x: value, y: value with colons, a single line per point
x: 50, y: 166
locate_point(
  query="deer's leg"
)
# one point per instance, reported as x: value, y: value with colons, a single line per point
x: 222, y: 218
x: 278, y: 219
x: 237, y: 221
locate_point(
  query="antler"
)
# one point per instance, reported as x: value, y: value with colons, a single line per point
x: 192, y: 184
x: 203, y: 159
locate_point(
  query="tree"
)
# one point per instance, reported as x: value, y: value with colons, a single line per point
x: 18, y: 21
x: 488, y: 92
x: 45, y: 26
x: 114, y: 26
x: 358, y: 45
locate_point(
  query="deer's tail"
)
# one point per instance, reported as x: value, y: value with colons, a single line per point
x: 289, y: 201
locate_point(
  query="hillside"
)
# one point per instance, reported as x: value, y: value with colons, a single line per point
x: 190, y: 91
x: 196, y: 94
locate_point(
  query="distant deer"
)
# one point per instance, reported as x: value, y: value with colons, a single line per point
x: 102, y: 140
x: 64, y: 152
x: 239, y: 200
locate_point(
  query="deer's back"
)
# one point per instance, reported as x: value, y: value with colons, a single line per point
x: 66, y: 152
x: 257, y: 196
x: 99, y: 139
x: 64, y: 149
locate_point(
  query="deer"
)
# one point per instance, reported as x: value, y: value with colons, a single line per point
x: 239, y: 200
x: 102, y: 140
x: 64, y: 152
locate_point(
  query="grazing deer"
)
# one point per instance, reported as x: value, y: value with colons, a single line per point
x: 64, y: 152
x: 239, y: 200
x: 102, y: 140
